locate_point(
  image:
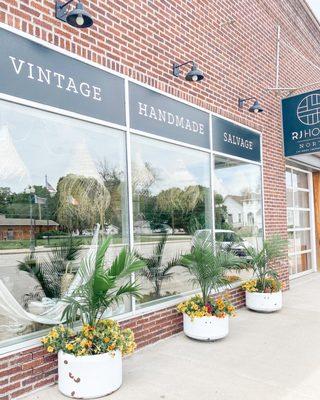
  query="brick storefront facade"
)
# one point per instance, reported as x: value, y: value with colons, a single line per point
x: 234, y: 43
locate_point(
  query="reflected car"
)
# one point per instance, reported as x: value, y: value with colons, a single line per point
x: 225, y: 239
x: 163, y: 228
x: 179, y: 231
x: 87, y: 232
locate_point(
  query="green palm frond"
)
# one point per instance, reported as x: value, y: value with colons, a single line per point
x: 260, y: 260
x: 156, y: 270
x: 132, y: 289
x: 208, y: 268
x: 100, y: 288
x: 46, y: 275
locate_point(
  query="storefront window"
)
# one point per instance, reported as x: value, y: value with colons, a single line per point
x: 238, y: 204
x: 171, y: 204
x: 59, y: 178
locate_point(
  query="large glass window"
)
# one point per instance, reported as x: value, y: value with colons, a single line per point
x: 171, y: 203
x: 238, y: 202
x: 59, y: 177
x: 299, y: 221
x: 238, y: 207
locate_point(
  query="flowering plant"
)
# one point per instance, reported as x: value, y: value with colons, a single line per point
x: 101, y: 288
x: 261, y: 261
x: 269, y: 285
x: 105, y: 336
x: 196, y: 308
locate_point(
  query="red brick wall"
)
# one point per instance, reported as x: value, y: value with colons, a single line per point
x: 32, y: 369
x: 233, y: 42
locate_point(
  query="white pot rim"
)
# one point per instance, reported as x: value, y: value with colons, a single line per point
x: 207, y: 316
x: 89, y: 356
x: 279, y: 291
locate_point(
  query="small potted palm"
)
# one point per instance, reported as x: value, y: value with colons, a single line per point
x: 264, y: 291
x: 90, y: 358
x: 206, y: 317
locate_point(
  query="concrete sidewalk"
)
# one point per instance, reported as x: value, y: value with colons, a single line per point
x: 265, y: 357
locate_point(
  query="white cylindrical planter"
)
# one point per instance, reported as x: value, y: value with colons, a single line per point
x: 89, y: 377
x: 206, y: 328
x: 264, y: 302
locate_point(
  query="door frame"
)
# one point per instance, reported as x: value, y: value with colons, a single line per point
x: 312, y: 223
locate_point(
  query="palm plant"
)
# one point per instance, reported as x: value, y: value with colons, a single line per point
x: 100, y: 289
x: 208, y: 267
x: 261, y: 260
x: 156, y: 271
x: 58, y: 264
x: 31, y: 265
x: 48, y: 272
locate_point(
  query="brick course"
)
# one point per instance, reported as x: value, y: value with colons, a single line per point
x: 234, y: 43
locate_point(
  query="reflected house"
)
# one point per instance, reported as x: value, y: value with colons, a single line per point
x: 19, y: 228
x: 111, y: 229
x: 244, y: 210
x: 142, y: 227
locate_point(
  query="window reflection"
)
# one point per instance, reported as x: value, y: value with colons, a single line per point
x: 59, y: 177
x: 238, y: 206
x: 171, y: 202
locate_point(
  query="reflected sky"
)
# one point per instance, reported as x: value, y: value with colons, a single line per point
x: 172, y: 166
x: 234, y: 179
x: 35, y: 143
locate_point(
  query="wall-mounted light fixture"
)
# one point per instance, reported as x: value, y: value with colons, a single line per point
x: 78, y: 17
x: 255, y: 108
x: 194, y: 74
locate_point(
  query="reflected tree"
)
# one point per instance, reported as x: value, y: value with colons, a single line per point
x: 113, y: 179
x: 186, y: 208
x: 221, y: 213
x: 81, y: 202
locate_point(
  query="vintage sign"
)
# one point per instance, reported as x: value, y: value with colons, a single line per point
x: 236, y: 140
x: 301, y: 123
x: 34, y: 72
x: 160, y: 115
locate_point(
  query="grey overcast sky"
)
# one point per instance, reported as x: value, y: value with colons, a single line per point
x: 315, y: 5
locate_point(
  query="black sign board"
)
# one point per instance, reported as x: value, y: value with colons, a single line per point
x: 31, y: 71
x: 160, y: 115
x: 301, y: 123
x: 236, y: 140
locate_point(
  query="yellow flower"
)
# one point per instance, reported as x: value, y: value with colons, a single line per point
x: 106, y: 340
x: 44, y: 340
x: 54, y: 334
x: 69, y: 346
x: 50, y: 349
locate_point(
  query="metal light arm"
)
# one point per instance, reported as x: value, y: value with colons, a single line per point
x: 176, y: 67
x: 241, y: 102
x: 60, y: 12
x: 290, y: 90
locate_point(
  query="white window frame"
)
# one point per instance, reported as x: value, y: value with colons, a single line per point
x: 311, y: 227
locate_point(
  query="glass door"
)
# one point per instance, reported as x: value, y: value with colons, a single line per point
x: 299, y: 221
